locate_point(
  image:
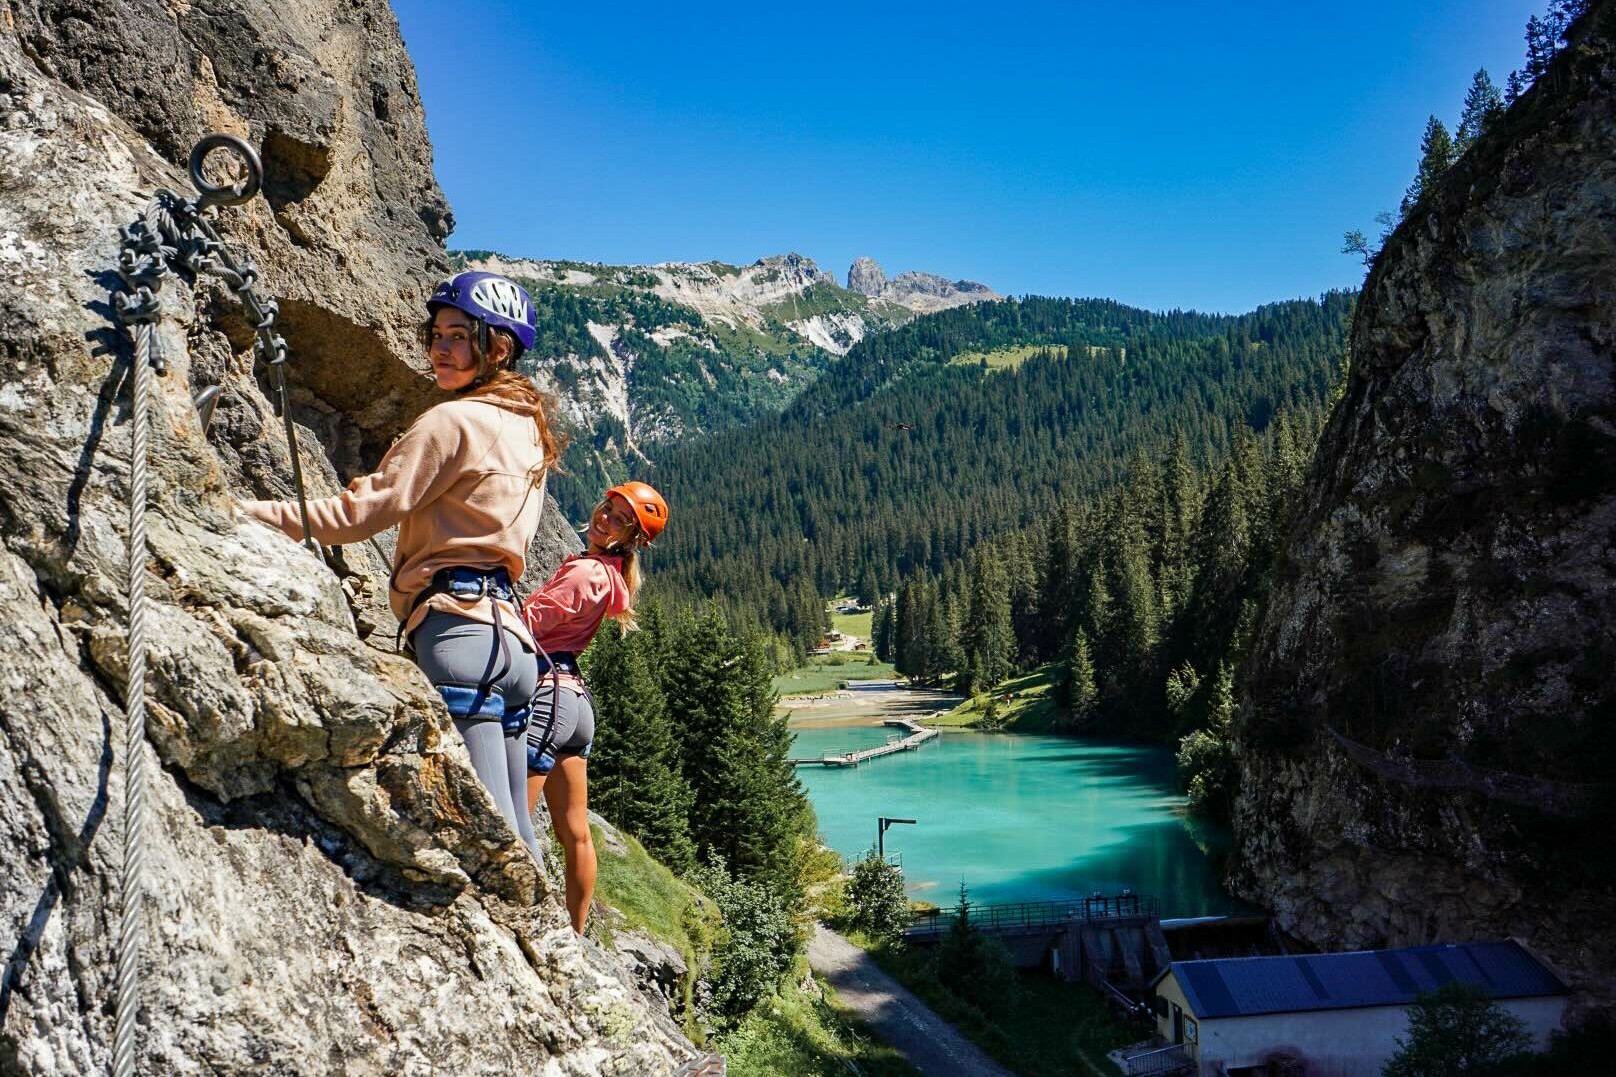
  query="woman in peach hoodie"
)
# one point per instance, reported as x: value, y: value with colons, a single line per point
x: 465, y: 485
x: 564, y: 616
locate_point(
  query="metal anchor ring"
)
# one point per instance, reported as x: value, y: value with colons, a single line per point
x: 235, y: 194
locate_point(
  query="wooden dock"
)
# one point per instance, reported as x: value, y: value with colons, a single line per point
x: 918, y: 735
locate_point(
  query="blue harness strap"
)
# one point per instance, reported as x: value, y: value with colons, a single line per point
x: 473, y: 701
x: 481, y: 700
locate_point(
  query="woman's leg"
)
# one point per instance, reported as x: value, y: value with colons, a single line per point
x: 459, y: 657
x: 535, y: 789
x: 518, y: 715
x: 567, y: 794
x: 485, y: 740
x: 516, y: 789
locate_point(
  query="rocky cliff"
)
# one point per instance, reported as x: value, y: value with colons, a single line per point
x: 1426, y: 749
x: 331, y: 888
x: 923, y: 293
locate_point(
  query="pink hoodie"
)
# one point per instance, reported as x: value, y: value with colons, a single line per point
x: 564, y: 614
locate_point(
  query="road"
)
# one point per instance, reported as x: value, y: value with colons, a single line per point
x: 926, y: 1041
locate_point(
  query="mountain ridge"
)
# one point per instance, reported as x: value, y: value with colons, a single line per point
x: 641, y: 356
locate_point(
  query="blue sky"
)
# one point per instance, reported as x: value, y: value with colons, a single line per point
x: 1167, y: 155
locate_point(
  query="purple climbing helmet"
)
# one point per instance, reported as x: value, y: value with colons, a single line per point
x: 493, y: 300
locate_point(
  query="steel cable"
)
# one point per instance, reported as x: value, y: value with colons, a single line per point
x: 171, y: 230
x: 131, y: 932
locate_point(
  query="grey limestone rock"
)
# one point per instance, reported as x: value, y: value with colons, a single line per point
x: 865, y: 277
x: 331, y: 888
x: 1425, y: 746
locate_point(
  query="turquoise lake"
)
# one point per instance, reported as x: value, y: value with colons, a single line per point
x: 1019, y: 817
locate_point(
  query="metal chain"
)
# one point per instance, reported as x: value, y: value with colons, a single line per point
x: 171, y: 232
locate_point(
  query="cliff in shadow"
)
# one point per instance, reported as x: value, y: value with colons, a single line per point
x: 331, y: 888
x: 1425, y: 751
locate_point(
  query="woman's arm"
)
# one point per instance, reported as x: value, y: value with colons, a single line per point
x: 420, y: 466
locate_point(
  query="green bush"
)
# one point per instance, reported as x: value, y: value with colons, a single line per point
x: 1457, y: 1031
x: 755, y: 946
x: 875, y: 892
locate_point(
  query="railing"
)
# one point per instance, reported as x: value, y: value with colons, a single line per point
x: 1033, y: 914
x: 1175, y: 1056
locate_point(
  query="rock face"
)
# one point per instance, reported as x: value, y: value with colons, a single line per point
x: 331, y: 889
x: 1425, y: 751
x: 923, y: 293
x: 864, y: 276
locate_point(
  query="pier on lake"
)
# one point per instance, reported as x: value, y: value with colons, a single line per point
x: 917, y: 735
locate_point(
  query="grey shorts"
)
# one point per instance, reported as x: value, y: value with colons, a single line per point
x: 572, y: 730
x: 476, y: 676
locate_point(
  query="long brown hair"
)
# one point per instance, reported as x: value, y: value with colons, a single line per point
x: 515, y: 392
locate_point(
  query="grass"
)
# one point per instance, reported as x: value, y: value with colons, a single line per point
x: 1011, y: 358
x: 825, y: 673
x: 806, y: 1033
x: 651, y: 898
x: 1053, y: 1029
x: 851, y: 624
x: 1002, y: 359
x: 1031, y: 708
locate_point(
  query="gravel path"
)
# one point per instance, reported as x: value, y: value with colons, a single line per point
x: 925, y: 1040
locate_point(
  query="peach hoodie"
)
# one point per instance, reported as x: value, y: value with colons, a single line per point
x: 460, y: 485
x: 566, y: 612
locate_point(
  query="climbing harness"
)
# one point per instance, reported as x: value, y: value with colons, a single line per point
x: 468, y: 584
x: 172, y: 232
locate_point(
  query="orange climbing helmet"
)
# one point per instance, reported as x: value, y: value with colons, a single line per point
x: 649, y: 507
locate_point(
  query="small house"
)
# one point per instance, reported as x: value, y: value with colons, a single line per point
x: 1333, y: 1015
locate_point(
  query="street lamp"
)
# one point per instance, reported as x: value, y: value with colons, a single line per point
x: 882, y: 822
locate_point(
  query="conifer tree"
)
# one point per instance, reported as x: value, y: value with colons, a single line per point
x: 1436, y: 154
x: 904, y: 615
x: 1542, y: 38
x: 1513, y: 88
x: 1135, y: 623
x: 946, y: 610
x: 868, y: 589
x: 881, y: 627
x: 634, y: 773
x: 746, y: 802
x: 1482, y: 105
x: 1077, y: 684
x: 987, y: 639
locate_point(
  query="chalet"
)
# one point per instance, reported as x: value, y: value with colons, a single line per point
x: 1330, y: 1015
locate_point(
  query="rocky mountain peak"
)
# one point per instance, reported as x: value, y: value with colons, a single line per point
x: 864, y: 276
x: 921, y: 293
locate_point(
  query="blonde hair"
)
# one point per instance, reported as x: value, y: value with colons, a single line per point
x: 633, y: 574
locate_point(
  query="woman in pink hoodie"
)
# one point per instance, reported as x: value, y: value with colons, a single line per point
x: 563, y: 617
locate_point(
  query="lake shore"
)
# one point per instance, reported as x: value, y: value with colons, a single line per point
x: 863, y: 702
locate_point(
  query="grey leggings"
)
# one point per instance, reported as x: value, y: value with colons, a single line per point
x: 460, y: 657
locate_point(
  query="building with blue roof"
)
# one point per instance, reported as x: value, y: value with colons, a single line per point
x: 1334, y: 1015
